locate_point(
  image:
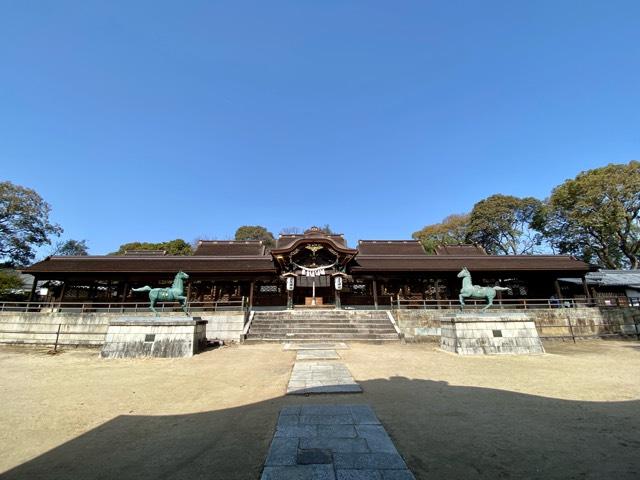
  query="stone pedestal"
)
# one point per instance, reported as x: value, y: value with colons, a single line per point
x: 169, y: 337
x: 489, y: 333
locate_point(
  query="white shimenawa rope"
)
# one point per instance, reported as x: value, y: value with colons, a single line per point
x: 314, y: 272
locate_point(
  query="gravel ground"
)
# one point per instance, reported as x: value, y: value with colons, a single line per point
x: 572, y: 413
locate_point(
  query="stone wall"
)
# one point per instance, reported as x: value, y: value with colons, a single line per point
x: 424, y: 325
x: 90, y: 329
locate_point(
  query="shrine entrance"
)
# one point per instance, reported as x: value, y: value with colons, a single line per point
x: 307, y: 294
x: 313, y: 266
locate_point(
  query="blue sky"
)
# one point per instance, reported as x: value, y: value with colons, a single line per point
x: 151, y: 120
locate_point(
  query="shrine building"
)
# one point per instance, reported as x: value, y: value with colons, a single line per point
x: 312, y: 270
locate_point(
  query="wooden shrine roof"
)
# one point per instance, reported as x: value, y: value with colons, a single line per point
x: 285, y: 241
x: 224, y: 248
x: 159, y: 264
x: 460, y: 250
x: 390, y: 247
x: 449, y: 263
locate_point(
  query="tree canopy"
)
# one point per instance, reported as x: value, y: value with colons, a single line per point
x: 255, y: 232
x: 504, y: 224
x: 597, y: 216
x: 451, y: 231
x: 9, y: 282
x: 24, y: 223
x: 71, y: 247
x: 172, y: 247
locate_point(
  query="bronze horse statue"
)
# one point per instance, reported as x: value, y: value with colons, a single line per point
x: 475, y: 291
x: 171, y: 294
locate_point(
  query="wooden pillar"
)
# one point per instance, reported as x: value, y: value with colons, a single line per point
x: 189, y: 292
x: 556, y: 284
x: 375, y: 294
x: 33, y: 288
x: 251, y: 288
x: 586, y: 288
x: 437, y: 287
x: 125, y: 291
x: 63, y: 290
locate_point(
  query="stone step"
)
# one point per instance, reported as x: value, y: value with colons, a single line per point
x: 324, y: 336
x: 313, y: 340
x: 321, y: 331
x: 319, y: 315
x: 319, y: 324
x: 321, y: 327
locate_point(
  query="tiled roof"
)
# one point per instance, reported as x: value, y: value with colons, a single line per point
x: 460, y: 250
x: 615, y: 278
x: 169, y: 263
x: 221, y: 248
x: 443, y: 263
x: 390, y: 247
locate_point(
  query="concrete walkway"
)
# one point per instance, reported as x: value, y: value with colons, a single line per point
x: 332, y: 442
x: 317, y: 355
x: 321, y: 377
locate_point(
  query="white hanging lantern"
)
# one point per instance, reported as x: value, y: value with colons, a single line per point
x: 291, y: 283
x: 337, y: 281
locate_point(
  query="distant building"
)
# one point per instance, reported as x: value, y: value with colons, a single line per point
x: 608, y: 287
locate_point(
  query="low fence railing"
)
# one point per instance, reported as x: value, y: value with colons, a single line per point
x: 520, y: 303
x: 121, y: 307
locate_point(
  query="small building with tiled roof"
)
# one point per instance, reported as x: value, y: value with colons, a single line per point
x: 313, y: 265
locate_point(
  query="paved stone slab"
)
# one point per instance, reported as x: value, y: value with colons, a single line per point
x: 317, y: 355
x: 321, y: 377
x: 316, y: 346
x: 332, y: 442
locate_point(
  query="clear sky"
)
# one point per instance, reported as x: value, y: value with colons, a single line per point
x: 151, y: 120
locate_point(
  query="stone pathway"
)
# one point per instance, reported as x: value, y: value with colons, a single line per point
x: 317, y: 355
x: 321, y: 377
x: 332, y: 442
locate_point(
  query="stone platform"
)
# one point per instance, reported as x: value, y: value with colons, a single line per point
x: 489, y: 333
x: 168, y: 337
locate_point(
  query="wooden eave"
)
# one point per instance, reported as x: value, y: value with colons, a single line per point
x: 167, y: 264
x: 451, y: 263
x: 301, y: 241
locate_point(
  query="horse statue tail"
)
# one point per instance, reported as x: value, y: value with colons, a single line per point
x: 501, y: 289
x: 146, y: 288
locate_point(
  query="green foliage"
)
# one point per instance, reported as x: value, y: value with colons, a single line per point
x: 24, y: 223
x: 597, y: 216
x: 9, y: 281
x: 327, y: 230
x: 255, y: 232
x: 71, y: 248
x: 172, y: 247
x: 451, y: 231
x: 504, y: 224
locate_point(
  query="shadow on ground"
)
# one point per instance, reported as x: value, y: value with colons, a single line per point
x: 443, y: 431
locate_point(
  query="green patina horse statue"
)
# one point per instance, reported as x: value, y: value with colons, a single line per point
x: 475, y: 291
x: 172, y: 294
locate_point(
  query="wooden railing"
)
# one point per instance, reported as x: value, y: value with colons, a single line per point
x: 121, y: 307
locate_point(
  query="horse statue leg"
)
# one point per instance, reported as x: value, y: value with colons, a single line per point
x: 461, y: 297
x: 153, y: 298
x: 490, y: 298
x: 183, y: 304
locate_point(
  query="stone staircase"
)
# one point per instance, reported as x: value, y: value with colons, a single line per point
x: 322, y: 326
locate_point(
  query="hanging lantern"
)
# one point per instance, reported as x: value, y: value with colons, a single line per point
x: 337, y: 281
x: 291, y: 283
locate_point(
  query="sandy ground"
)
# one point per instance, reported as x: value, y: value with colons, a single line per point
x: 572, y: 413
